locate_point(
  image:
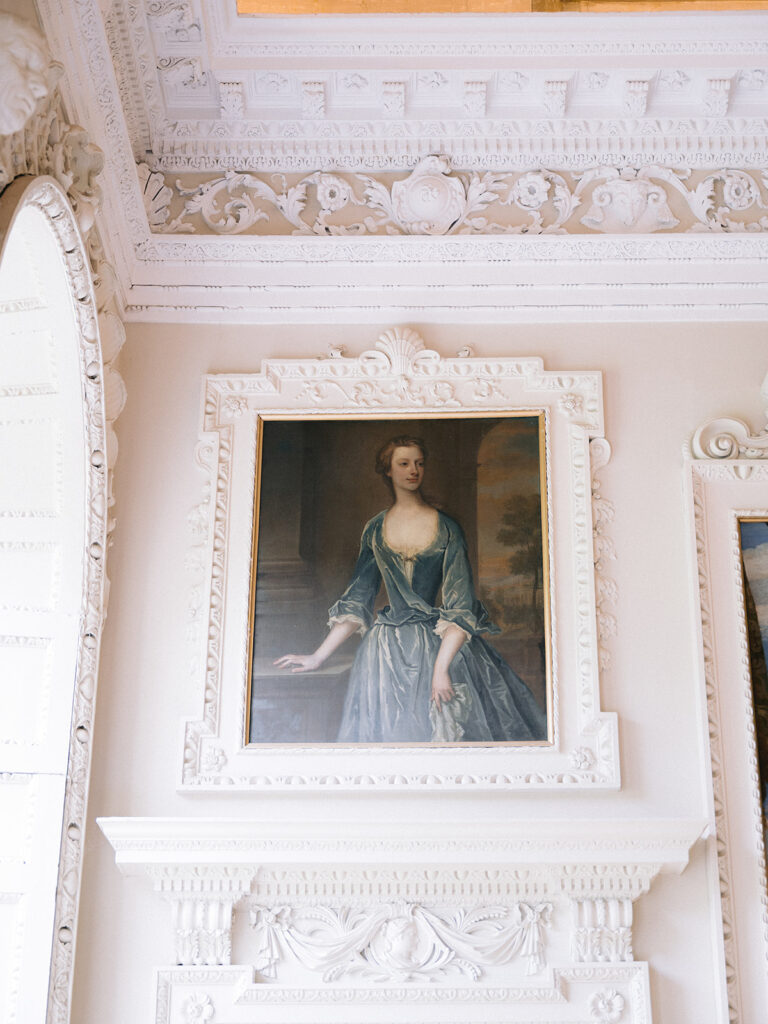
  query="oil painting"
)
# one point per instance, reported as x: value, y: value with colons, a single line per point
x: 400, y: 582
x: 754, y: 553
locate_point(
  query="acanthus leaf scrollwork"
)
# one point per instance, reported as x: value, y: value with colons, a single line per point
x: 434, y: 199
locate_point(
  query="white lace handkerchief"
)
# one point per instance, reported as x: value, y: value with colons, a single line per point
x: 448, y: 721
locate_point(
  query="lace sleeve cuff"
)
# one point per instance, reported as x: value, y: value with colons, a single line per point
x: 442, y: 626
x: 361, y: 625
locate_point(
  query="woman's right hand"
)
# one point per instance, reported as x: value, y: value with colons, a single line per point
x: 302, y: 662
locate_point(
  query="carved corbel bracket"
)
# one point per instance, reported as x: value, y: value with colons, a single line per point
x: 202, y: 901
x: 602, y: 930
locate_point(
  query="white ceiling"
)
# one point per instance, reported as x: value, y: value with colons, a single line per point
x: 193, y: 90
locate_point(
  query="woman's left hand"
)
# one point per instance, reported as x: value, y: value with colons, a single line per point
x: 442, y: 691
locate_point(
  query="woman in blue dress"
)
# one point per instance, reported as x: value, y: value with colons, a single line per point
x: 423, y: 671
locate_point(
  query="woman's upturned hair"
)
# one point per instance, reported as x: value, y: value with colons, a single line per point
x: 384, y: 455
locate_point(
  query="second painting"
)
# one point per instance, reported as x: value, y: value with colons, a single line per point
x: 401, y: 582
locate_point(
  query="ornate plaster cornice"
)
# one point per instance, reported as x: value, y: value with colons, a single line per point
x: 203, y: 91
x: 129, y: 105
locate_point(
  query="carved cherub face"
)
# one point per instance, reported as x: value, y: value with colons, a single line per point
x: 401, y: 936
x: 24, y: 78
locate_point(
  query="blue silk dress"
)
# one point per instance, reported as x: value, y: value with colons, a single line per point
x: 389, y: 695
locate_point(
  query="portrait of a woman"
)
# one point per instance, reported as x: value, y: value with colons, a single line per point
x: 424, y: 671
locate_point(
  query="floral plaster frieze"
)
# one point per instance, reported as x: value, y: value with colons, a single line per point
x: 436, y: 199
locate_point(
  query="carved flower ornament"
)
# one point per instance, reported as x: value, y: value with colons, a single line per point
x: 583, y: 759
x: 571, y: 404
x: 428, y: 202
x: 738, y: 191
x: 332, y: 192
x: 607, y: 1007
x: 531, y: 190
x: 198, y: 1009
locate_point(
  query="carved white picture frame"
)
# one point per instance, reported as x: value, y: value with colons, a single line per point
x: 728, y: 482
x: 399, y: 377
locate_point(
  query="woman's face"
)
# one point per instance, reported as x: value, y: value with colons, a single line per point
x: 407, y: 469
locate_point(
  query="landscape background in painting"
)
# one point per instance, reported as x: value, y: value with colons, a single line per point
x: 318, y: 488
x: 754, y: 550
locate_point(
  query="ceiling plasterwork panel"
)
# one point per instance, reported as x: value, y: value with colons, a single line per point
x: 204, y: 90
x: 268, y: 128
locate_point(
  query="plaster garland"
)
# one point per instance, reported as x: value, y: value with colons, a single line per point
x: 606, y: 589
x: 434, y: 199
x: 401, y: 942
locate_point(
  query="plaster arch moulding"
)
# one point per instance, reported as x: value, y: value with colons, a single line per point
x: 548, y: 145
